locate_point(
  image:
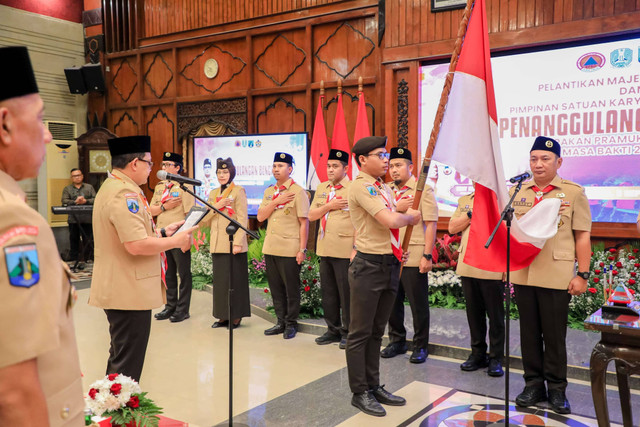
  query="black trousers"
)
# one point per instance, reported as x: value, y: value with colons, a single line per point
x: 334, y: 280
x: 178, y: 264
x: 373, y: 287
x: 129, y: 331
x: 415, y: 286
x: 74, y: 241
x: 543, y: 332
x: 485, y: 298
x: 283, y: 275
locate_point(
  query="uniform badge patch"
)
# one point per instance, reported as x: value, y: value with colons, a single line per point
x: 22, y: 265
x: 133, y: 205
x: 175, y: 194
x: 287, y: 211
x: 372, y: 190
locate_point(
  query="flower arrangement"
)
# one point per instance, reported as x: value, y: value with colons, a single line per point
x: 445, y: 252
x: 120, y: 397
x: 310, y: 293
x: 201, y: 265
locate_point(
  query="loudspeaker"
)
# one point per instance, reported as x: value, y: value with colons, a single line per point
x: 75, y: 80
x: 93, y: 78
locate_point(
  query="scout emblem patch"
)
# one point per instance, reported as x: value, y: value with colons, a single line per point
x: 22, y: 265
x: 372, y: 190
x: 133, y: 205
x: 175, y: 194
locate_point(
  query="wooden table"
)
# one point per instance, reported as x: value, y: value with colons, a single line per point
x: 620, y: 342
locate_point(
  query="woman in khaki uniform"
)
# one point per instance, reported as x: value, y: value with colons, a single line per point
x: 232, y: 200
x: 40, y: 379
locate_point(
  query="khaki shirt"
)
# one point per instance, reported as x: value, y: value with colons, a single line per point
x: 219, y: 242
x: 554, y: 267
x: 365, y: 201
x: 338, y: 234
x: 122, y: 281
x: 283, y: 228
x: 36, y: 315
x: 465, y: 204
x: 429, y: 211
x: 179, y: 212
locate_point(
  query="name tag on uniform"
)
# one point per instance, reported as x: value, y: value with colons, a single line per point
x: 22, y: 264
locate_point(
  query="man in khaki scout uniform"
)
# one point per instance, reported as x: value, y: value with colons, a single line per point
x: 40, y: 379
x: 129, y: 254
x: 286, y: 206
x: 335, y: 246
x: 414, y: 279
x: 484, y: 294
x: 373, y: 273
x: 544, y: 289
x: 170, y: 204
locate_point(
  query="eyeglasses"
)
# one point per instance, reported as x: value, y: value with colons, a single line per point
x: 381, y: 155
x: 76, y: 176
x: 149, y: 162
x: 168, y: 164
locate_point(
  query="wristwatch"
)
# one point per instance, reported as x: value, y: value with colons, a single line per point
x: 584, y: 274
x: 162, y: 208
x: 469, y: 214
x: 429, y: 257
x: 304, y: 251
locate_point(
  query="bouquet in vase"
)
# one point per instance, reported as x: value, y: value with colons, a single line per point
x: 120, y: 397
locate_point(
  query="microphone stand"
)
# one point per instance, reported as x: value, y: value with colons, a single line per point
x: 507, y: 216
x: 231, y: 231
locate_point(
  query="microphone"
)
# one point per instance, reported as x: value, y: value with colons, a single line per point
x: 517, y: 178
x: 162, y: 175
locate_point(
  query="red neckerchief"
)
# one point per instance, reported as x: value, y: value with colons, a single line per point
x: 332, y: 194
x: 277, y: 193
x: 166, y: 194
x: 395, y: 232
x: 541, y: 193
x: 224, y: 195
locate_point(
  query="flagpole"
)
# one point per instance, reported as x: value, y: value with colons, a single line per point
x: 444, y: 97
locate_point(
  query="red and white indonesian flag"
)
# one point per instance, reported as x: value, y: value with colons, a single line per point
x: 468, y: 141
x: 319, y: 151
x: 362, y: 131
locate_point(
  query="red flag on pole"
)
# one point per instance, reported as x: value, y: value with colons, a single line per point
x: 362, y: 130
x: 319, y: 151
x: 340, y: 139
x: 468, y: 141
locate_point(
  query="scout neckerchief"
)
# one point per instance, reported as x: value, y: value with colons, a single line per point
x: 395, y: 232
x: 163, y: 256
x: 331, y: 196
x: 224, y: 195
x: 541, y: 193
x: 166, y: 194
x: 277, y: 191
x: 400, y: 193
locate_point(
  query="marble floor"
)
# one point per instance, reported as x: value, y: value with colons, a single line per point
x: 298, y: 383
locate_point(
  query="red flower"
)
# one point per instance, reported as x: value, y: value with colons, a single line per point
x: 606, y: 290
x: 307, y: 288
x: 304, y: 281
x: 596, y: 280
x: 614, y: 272
x: 611, y: 258
x: 93, y: 392
x: 266, y: 290
x: 112, y: 376
x: 632, y: 291
x: 632, y: 257
x: 633, y: 274
x: 597, y: 271
x: 315, y: 281
x: 636, y: 265
x: 635, y: 250
x: 601, y: 264
x: 592, y: 290
x: 619, y: 264
x: 591, y: 253
x: 116, y: 389
x: 632, y: 282
x: 612, y: 250
x: 134, y: 402
x: 310, y: 268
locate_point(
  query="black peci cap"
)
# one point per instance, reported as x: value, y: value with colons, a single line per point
x: 284, y: 158
x: 16, y: 73
x: 547, y: 144
x: 130, y: 145
x: 172, y: 157
x: 400, y: 153
x: 226, y: 164
x: 340, y: 155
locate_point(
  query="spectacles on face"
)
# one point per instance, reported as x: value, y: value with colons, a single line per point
x: 381, y: 155
x: 168, y: 164
x: 149, y: 162
x: 76, y: 176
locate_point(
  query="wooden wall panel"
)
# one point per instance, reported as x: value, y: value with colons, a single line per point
x: 122, y: 86
x: 159, y: 75
x: 277, y: 114
x: 160, y: 125
x: 126, y: 122
x: 279, y: 59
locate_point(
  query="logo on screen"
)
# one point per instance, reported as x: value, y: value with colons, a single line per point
x: 621, y: 57
x: 258, y: 143
x: 238, y: 143
x: 591, y: 61
x: 250, y: 144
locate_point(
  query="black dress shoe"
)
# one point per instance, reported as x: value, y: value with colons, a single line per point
x: 495, y: 368
x: 164, y: 314
x: 179, y: 317
x: 559, y: 402
x: 419, y: 355
x: 394, y: 349
x: 236, y: 325
x: 343, y: 344
x: 368, y: 404
x: 386, y: 398
x: 277, y: 329
x: 328, y: 338
x: 220, y: 324
x: 289, y: 332
x: 474, y: 363
x: 531, y: 395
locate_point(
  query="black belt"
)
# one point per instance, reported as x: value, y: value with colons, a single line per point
x: 379, y: 259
